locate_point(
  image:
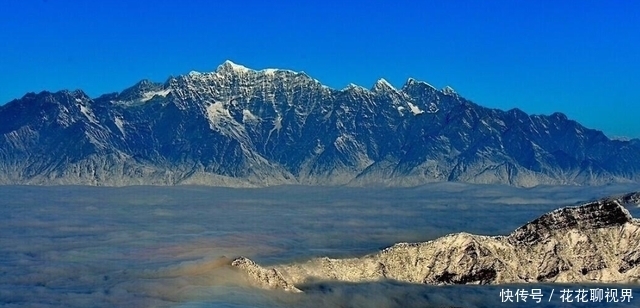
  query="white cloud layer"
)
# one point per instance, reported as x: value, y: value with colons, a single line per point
x: 167, y: 246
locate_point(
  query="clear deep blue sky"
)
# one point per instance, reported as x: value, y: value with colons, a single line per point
x: 581, y: 58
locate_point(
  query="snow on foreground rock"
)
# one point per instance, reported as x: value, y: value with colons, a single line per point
x: 596, y: 242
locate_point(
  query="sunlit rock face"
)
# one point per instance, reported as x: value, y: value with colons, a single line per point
x: 595, y: 242
x: 268, y: 278
x: 241, y: 127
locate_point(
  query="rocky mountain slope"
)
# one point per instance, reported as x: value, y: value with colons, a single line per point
x: 595, y: 242
x: 240, y: 127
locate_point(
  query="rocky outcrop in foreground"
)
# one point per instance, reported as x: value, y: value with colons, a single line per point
x: 596, y: 242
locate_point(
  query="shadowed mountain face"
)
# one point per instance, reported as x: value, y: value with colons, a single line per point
x: 596, y: 242
x: 240, y: 127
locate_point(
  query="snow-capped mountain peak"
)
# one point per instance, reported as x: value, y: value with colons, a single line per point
x: 412, y: 82
x: 353, y: 86
x: 448, y: 91
x: 228, y: 65
x: 382, y: 85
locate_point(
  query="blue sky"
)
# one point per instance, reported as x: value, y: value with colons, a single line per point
x: 576, y: 57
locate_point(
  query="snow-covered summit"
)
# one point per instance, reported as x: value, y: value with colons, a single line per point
x: 353, y: 86
x: 228, y: 65
x: 412, y: 81
x: 448, y: 91
x: 382, y: 84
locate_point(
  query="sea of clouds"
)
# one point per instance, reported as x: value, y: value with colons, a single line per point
x: 75, y: 246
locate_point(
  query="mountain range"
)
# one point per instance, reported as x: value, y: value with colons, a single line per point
x: 242, y: 127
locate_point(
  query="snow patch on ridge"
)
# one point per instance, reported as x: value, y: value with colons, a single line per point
x: 220, y: 120
x: 149, y: 95
x: 89, y: 114
x: 353, y: 86
x: 277, y: 123
x: 415, y: 109
x: 215, y: 112
x: 269, y: 71
x: 247, y: 116
x: 448, y: 91
x: 120, y: 124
